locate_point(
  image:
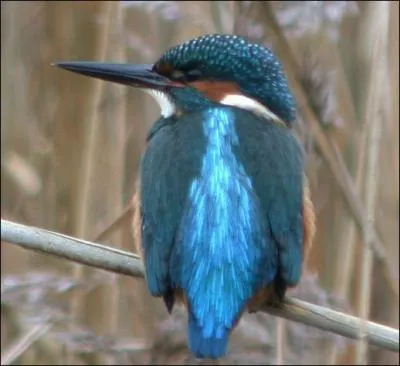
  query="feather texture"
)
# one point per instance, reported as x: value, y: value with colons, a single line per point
x: 216, y: 223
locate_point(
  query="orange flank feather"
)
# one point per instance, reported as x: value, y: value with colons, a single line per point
x: 308, y: 221
x: 268, y: 295
x: 216, y: 90
x: 265, y: 296
x: 137, y: 222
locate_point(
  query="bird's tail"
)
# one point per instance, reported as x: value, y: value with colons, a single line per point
x: 204, y: 346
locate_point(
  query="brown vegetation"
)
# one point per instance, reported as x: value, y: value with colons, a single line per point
x: 70, y: 149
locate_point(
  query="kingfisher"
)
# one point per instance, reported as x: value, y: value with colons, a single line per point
x: 223, y: 217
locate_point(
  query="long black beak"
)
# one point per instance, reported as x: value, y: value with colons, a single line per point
x: 133, y: 75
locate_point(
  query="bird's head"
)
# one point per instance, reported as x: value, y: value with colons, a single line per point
x: 225, y: 69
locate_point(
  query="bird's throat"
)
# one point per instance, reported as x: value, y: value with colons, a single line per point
x: 167, y: 106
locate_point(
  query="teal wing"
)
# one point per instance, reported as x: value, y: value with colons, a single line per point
x: 273, y: 158
x: 171, y: 160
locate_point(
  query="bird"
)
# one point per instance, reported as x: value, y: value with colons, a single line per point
x: 223, y: 216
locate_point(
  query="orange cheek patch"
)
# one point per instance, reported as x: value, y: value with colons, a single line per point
x: 216, y: 90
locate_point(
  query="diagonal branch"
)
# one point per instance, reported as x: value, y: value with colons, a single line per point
x: 118, y: 261
x: 345, y: 183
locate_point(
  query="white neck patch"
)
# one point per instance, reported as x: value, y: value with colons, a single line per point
x: 165, y: 103
x: 168, y: 108
x: 243, y: 102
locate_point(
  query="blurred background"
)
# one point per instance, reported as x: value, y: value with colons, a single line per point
x: 71, y: 146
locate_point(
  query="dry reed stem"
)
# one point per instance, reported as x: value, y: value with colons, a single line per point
x: 118, y: 159
x: 108, y: 295
x: 347, y: 243
x: 344, y: 267
x: 90, y: 118
x: 375, y: 40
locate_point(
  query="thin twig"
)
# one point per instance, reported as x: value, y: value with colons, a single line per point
x: 17, y: 348
x: 122, y: 262
x: 116, y: 223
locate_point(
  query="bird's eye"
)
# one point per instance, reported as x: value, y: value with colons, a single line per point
x: 193, y: 74
x: 185, y: 76
x: 178, y: 75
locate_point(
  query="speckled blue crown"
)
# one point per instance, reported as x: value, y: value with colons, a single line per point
x: 253, y: 67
